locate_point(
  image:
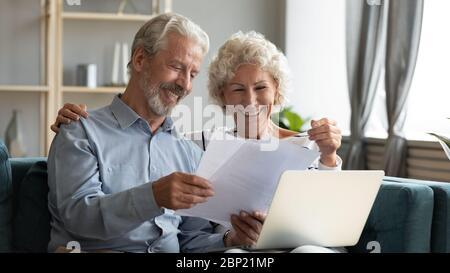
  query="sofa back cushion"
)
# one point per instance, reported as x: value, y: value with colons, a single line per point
x: 440, y: 232
x: 31, y: 224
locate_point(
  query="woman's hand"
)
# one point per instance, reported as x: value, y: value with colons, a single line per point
x: 70, y: 112
x: 246, y: 228
x: 328, y: 137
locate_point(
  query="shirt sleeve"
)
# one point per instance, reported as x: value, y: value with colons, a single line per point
x: 76, y: 186
x: 338, y: 166
x: 317, y: 165
x: 197, y: 235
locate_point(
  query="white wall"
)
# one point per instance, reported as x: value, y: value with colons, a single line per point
x: 92, y: 42
x: 19, y: 42
x: 19, y: 64
x: 315, y: 47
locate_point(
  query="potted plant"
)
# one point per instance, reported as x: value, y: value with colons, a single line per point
x: 444, y: 141
x: 288, y: 119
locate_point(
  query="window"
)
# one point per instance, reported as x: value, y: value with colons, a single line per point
x: 315, y: 47
x: 429, y: 98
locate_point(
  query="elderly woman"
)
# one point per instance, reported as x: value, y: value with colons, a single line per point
x: 250, y: 76
x: 249, y: 71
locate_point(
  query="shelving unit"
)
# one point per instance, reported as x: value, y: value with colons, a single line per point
x: 97, y: 90
x: 106, y: 16
x: 23, y: 88
x: 52, y: 91
x: 43, y: 88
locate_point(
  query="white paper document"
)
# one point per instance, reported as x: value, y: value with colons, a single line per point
x: 244, y: 176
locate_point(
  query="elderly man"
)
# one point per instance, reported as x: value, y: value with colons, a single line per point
x: 116, y: 177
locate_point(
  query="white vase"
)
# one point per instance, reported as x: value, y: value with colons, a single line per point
x: 13, y: 136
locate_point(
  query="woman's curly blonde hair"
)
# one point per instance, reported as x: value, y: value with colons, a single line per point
x: 248, y: 48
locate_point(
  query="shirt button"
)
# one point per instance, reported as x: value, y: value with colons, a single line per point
x: 153, y: 168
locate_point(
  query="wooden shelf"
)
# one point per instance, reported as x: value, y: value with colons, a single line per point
x: 106, y: 16
x: 97, y: 90
x: 51, y: 94
x: 23, y: 88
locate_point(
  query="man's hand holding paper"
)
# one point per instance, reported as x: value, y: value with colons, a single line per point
x: 244, y: 176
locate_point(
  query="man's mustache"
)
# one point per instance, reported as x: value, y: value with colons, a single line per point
x: 175, y: 88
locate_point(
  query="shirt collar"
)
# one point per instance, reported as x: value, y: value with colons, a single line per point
x: 167, y: 125
x: 123, y: 113
x: 126, y: 116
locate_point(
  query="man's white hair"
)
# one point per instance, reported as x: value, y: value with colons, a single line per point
x: 152, y: 36
x: 248, y: 48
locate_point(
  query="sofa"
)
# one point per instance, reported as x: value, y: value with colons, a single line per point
x: 407, y: 216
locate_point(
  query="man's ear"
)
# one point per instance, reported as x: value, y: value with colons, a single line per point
x: 138, y: 59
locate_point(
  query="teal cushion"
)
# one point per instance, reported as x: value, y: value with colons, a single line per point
x: 19, y: 168
x: 400, y: 219
x: 440, y: 229
x: 5, y: 200
x: 32, y: 218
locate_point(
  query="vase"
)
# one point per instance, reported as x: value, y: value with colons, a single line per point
x: 13, y: 136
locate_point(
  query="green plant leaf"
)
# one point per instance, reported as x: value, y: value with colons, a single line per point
x: 444, y: 139
x: 284, y: 123
x: 445, y: 143
x: 295, y: 121
x: 289, y: 119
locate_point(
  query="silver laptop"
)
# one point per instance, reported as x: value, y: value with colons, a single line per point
x: 322, y: 208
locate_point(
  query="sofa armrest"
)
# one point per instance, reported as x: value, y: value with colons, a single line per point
x: 5, y: 200
x: 400, y: 219
x: 440, y: 229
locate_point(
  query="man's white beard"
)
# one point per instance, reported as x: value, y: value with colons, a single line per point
x: 154, y: 101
